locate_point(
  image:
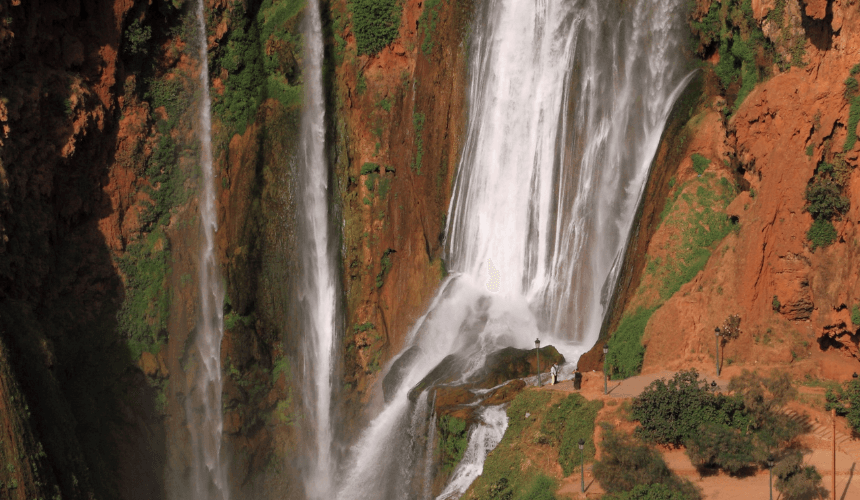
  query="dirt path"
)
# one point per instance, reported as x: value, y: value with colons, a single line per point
x: 816, y: 444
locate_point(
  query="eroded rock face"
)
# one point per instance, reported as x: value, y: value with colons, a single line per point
x: 794, y: 301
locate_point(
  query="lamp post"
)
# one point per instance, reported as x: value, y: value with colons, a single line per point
x: 537, y: 348
x: 717, y: 338
x: 605, y: 383
x: 582, y: 463
x: 770, y: 467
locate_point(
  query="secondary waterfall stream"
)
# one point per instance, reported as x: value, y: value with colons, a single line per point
x: 319, y: 291
x: 203, y: 404
x: 567, y: 103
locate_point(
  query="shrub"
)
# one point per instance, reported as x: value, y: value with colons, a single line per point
x: 762, y: 396
x: 720, y: 445
x: 700, y: 163
x: 825, y: 198
x: 376, y: 23
x: 855, y: 314
x: 670, y: 412
x: 821, y: 233
x: 775, y: 303
x: 369, y: 168
x: 846, y: 401
x: 137, y: 38
x: 627, y: 463
x: 797, y: 482
x: 656, y: 491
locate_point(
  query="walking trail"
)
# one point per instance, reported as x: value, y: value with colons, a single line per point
x: 815, y: 444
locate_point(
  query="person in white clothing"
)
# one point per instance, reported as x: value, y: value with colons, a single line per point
x: 554, y: 373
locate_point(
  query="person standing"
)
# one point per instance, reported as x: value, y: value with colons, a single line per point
x: 554, y: 373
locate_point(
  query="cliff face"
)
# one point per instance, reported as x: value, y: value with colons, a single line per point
x: 760, y: 220
x: 399, y: 117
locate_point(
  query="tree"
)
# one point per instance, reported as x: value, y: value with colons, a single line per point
x: 720, y: 445
x: 730, y: 330
x: 797, y: 482
x: 846, y: 401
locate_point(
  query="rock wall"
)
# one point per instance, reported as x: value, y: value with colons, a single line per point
x: 399, y: 117
x: 776, y: 138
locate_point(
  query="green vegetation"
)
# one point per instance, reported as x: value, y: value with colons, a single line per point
x: 696, y: 211
x: 137, y: 38
x: 700, y: 163
x: 428, y: 20
x: 821, y: 234
x: 855, y: 314
x: 775, y: 304
x: 826, y: 201
x: 376, y: 23
x: 255, y: 73
x: 656, y: 491
x: 540, y: 488
x: 626, y: 463
x: 852, y: 94
x: 729, y: 432
x: 418, y: 124
x: 625, y: 355
x: 566, y: 423
x: 846, y: 401
x: 369, y: 168
x: 453, y: 439
x: 795, y: 481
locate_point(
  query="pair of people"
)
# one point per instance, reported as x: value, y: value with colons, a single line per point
x: 554, y: 373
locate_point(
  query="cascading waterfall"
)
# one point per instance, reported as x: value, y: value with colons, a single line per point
x: 484, y: 438
x: 567, y: 103
x: 319, y: 293
x: 203, y: 404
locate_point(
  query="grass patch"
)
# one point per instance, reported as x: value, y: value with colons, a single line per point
x: 453, y: 439
x: 700, y: 163
x: 428, y: 20
x: 566, y: 423
x: 626, y: 352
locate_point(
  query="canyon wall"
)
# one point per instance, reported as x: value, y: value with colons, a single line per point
x: 752, y: 205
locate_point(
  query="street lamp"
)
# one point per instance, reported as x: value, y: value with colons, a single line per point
x: 582, y: 463
x: 605, y: 383
x: 537, y: 348
x: 770, y: 467
x: 717, y: 338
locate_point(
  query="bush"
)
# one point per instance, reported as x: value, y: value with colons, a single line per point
x: 721, y: 446
x: 797, y: 482
x: 627, y: 463
x: 846, y: 401
x: 821, y: 234
x: 855, y: 314
x: 775, y: 303
x: 670, y: 412
x: 376, y: 23
x: 700, y: 163
x: 825, y: 198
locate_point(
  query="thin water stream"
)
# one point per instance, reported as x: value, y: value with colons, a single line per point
x: 203, y: 404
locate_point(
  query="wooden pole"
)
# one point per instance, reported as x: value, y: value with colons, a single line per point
x: 833, y: 417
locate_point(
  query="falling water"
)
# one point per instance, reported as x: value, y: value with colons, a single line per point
x: 318, y: 288
x: 203, y: 405
x: 567, y: 103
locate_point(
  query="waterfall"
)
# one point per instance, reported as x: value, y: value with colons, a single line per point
x: 567, y: 103
x: 484, y: 438
x: 203, y: 404
x: 318, y: 291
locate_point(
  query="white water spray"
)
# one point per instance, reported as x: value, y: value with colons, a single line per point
x: 319, y: 292
x: 203, y: 404
x: 567, y: 103
x: 484, y: 438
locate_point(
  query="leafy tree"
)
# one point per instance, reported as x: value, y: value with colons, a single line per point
x: 762, y: 395
x: 670, y: 412
x: 797, y: 482
x: 846, y: 401
x: 376, y: 22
